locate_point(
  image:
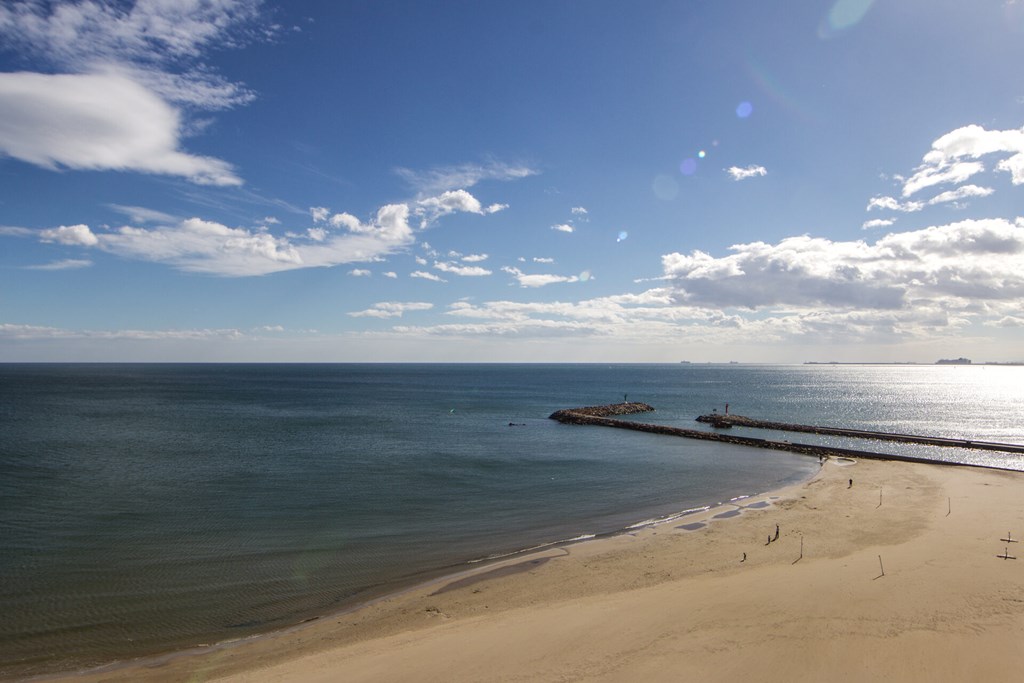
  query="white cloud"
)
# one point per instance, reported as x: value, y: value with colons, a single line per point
x: 446, y: 178
x: 66, y: 264
x: 563, y: 227
x: 464, y: 271
x: 941, y: 267
x: 475, y: 258
x: 320, y: 214
x: 97, y: 122
x: 538, y: 280
x: 432, y: 208
x: 543, y: 259
x: 390, y: 274
x: 928, y: 176
x: 745, y: 172
x: 204, y: 246
x: 392, y: 309
x: 79, y: 235
x: 960, y: 193
x: 945, y: 163
x: 893, y: 204
x: 424, y: 275
x: 113, y: 70
x: 360, y: 272
x: 877, y: 223
x: 949, y: 196
x: 579, y: 211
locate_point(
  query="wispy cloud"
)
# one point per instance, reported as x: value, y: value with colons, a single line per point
x: 140, y: 214
x: 442, y: 179
x: 65, y: 264
x: 563, y: 227
x: 391, y: 309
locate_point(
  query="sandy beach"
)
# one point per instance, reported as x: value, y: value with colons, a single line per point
x: 896, y: 577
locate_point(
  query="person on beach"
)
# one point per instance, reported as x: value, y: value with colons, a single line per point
x: 776, y: 533
x: 744, y: 558
x: 851, y: 484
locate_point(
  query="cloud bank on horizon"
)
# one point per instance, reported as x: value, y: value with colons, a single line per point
x: 131, y: 103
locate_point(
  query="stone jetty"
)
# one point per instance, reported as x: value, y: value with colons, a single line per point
x: 599, y: 416
x: 720, y: 421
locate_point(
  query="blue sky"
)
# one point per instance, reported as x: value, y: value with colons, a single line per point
x: 214, y: 180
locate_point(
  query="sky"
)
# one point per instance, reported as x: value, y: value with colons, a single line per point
x: 530, y: 181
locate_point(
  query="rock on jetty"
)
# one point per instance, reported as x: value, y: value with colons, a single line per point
x: 580, y: 415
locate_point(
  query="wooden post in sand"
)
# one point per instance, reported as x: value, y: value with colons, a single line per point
x: 949, y: 502
x: 880, y: 565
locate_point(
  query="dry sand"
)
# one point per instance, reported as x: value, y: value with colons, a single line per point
x: 668, y: 604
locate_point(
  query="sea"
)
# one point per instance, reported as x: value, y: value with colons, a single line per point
x: 149, y: 508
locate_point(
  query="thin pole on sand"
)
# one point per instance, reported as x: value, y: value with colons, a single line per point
x: 880, y: 567
x: 949, y: 502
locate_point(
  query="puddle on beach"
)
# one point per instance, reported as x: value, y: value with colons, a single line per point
x: 758, y: 505
x: 692, y: 526
x: 727, y: 514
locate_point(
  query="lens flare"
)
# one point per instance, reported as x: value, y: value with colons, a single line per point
x: 744, y: 109
x: 688, y: 167
x: 584, y: 276
x: 622, y: 236
x: 701, y: 154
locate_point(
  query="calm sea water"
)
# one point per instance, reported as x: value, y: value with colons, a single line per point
x: 147, y: 508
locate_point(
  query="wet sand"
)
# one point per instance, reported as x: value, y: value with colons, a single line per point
x: 895, y: 578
